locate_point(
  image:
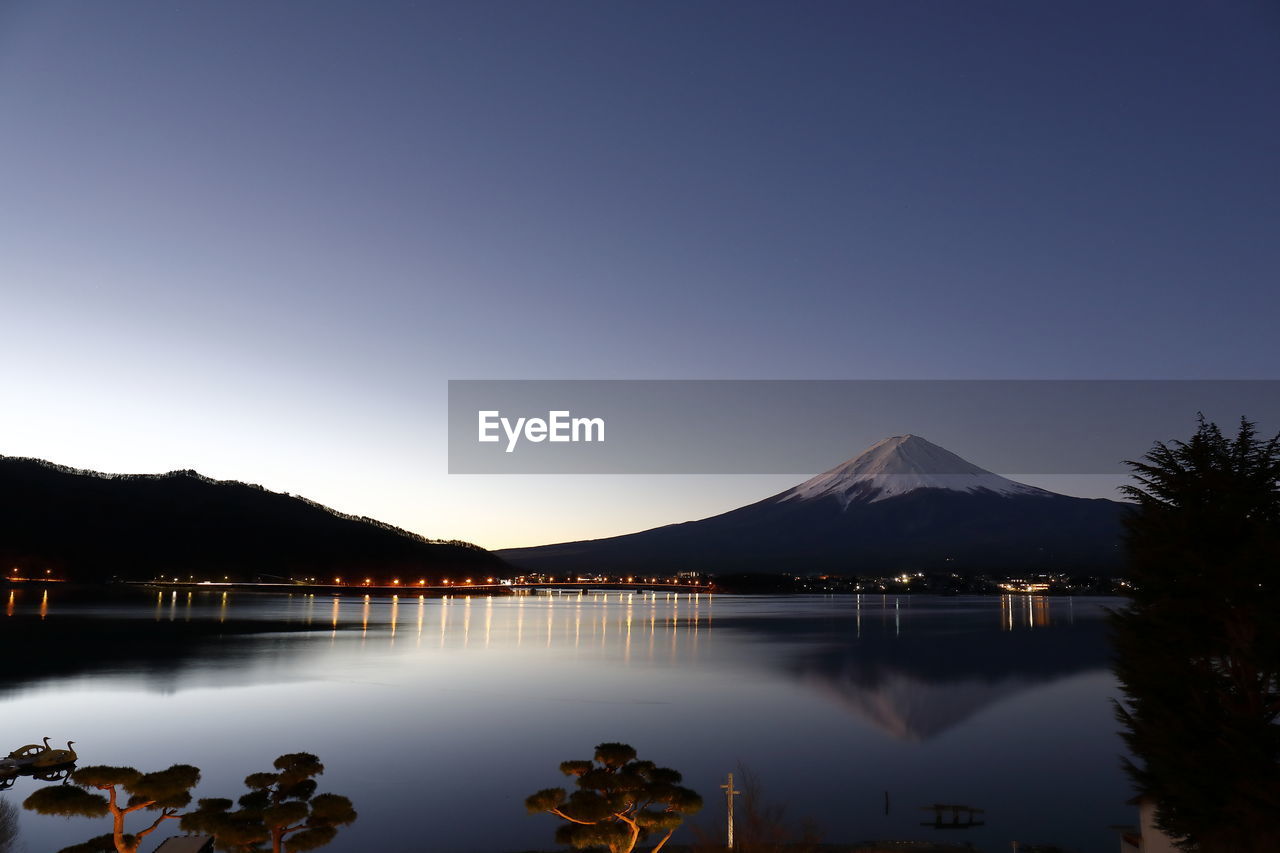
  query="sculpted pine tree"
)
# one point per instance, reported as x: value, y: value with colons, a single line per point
x: 165, y: 791
x: 281, y: 813
x: 619, y: 801
x: 1198, y: 646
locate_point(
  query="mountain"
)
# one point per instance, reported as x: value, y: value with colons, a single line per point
x: 84, y: 525
x: 903, y: 504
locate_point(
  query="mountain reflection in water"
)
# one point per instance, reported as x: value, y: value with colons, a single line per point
x: 917, y: 683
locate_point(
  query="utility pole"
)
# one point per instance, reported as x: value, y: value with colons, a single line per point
x: 729, y: 793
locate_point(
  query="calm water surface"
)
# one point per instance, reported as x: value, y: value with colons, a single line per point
x: 437, y: 717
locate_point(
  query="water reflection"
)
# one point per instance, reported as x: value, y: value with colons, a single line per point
x: 672, y: 621
x: 1025, y: 611
x: 873, y: 665
x: 906, y: 683
x: 914, y: 675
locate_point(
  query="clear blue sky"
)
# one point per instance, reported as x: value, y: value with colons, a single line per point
x: 256, y: 239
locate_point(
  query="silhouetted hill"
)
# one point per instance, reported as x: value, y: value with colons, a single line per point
x: 90, y: 526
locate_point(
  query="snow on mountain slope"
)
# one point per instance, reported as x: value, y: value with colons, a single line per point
x: 902, y: 464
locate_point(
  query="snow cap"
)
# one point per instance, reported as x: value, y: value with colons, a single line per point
x: 901, y: 464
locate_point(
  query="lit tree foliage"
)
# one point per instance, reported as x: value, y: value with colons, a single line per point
x: 165, y: 791
x: 1198, y: 646
x: 282, y: 812
x: 619, y: 801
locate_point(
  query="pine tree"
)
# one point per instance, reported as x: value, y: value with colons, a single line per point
x: 282, y: 810
x: 1198, y: 646
x: 165, y: 791
x: 619, y: 801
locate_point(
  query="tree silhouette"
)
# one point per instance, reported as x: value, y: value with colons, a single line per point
x: 619, y: 801
x: 8, y: 827
x: 164, y: 791
x: 281, y: 807
x: 1198, y: 646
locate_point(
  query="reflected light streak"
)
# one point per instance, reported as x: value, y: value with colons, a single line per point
x: 675, y: 622
x: 520, y: 621
x: 697, y: 603
x: 44, y: 605
x: 444, y: 619
x: 626, y: 646
x: 1027, y: 611
x: 1041, y: 608
x: 8, y: 609
x: 466, y: 622
x: 653, y: 624
x: 488, y: 618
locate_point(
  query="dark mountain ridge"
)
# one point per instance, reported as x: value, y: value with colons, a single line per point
x: 86, y: 525
x: 903, y: 505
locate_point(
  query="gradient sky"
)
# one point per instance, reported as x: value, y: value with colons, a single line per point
x: 256, y: 239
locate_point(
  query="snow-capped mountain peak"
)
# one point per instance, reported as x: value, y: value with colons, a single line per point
x: 902, y: 464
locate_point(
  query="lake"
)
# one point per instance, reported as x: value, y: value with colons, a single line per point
x: 437, y: 717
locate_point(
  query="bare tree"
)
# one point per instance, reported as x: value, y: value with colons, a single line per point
x: 760, y: 826
x: 8, y: 827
